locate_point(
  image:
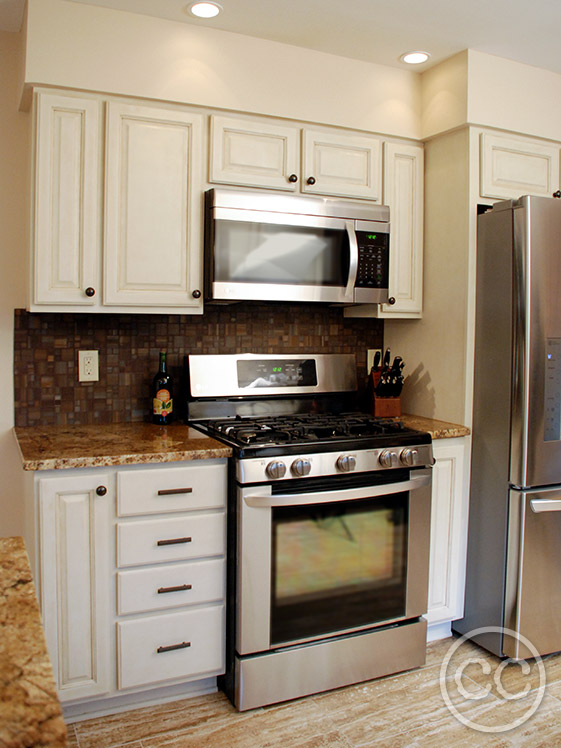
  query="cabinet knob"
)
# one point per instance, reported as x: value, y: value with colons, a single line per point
x: 311, y: 180
x: 391, y: 300
x: 557, y: 193
x: 101, y: 490
x: 90, y: 291
x: 196, y: 294
x: 293, y: 178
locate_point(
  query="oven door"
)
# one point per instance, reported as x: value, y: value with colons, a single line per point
x: 323, y: 561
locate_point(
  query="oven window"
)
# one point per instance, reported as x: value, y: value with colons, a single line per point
x: 338, y: 566
x: 269, y: 253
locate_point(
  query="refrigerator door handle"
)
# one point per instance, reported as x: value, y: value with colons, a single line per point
x: 545, y: 505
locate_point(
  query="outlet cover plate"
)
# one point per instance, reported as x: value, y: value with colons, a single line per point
x: 88, y: 366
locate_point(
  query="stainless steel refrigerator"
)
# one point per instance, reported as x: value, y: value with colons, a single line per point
x: 514, y: 540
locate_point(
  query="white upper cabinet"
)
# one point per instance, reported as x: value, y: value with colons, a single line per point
x: 67, y: 217
x: 403, y: 193
x: 255, y: 154
x: 149, y: 257
x: 341, y: 164
x: 258, y: 154
x: 511, y: 167
x: 152, y: 190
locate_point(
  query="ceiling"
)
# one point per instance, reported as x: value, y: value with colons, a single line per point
x: 376, y: 31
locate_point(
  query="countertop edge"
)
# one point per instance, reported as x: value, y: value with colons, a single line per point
x: 436, y: 428
x: 31, y: 710
x: 66, y: 463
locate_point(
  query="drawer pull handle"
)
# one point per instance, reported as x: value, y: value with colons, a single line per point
x: 171, y: 491
x: 179, y: 588
x: 183, y: 645
x: 174, y: 541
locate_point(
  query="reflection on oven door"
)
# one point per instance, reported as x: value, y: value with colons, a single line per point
x: 337, y: 567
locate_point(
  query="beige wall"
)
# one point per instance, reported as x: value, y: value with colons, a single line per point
x: 513, y: 96
x: 96, y: 49
x: 480, y: 89
x: 434, y: 347
x: 445, y: 96
x: 14, y: 180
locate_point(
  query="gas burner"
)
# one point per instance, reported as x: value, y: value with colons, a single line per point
x: 302, y: 429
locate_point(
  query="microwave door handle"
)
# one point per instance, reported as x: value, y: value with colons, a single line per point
x: 353, y: 261
x: 351, y: 494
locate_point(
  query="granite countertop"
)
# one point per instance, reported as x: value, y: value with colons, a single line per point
x: 60, y: 447
x: 30, y: 712
x: 437, y: 429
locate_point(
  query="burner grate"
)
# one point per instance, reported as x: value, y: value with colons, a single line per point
x: 302, y: 428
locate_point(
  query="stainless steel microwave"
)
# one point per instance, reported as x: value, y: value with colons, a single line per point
x: 263, y: 246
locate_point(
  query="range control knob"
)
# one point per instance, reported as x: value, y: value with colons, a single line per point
x: 346, y: 463
x: 388, y: 458
x: 408, y: 456
x: 301, y: 467
x: 276, y: 469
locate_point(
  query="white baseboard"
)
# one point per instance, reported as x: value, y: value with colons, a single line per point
x: 437, y: 631
x: 125, y: 702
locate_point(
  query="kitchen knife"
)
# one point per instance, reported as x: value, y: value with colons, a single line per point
x: 376, y: 363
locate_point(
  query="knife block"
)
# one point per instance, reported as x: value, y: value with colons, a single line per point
x: 381, y: 407
x: 386, y: 407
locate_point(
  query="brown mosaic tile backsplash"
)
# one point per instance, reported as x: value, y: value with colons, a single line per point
x: 46, y: 347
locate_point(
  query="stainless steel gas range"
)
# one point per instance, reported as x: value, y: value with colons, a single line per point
x: 329, y: 523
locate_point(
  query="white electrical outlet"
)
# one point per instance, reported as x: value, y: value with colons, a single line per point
x: 88, y: 366
x: 370, y: 353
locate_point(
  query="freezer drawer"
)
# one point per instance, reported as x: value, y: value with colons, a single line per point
x: 533, y: 579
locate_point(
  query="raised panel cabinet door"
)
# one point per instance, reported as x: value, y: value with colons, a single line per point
x: 448, y: 532
x: 74, y: 530
x: 255, y: 154
x: 403, y: 193
x: 513, y: 167
x: 341, y: 164
x: 153, y: 208
x: 66, y: 225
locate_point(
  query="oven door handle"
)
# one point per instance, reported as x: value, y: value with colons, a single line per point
x: 348, y: 494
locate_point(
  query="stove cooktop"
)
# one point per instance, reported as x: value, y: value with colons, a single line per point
x: 287, y: 434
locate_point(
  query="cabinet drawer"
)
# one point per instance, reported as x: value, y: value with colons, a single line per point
x: 194, y: 582
x: 173, y: 489
x: 167, y: 647
x: 178, y: 539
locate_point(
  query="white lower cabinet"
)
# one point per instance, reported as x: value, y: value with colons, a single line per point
x: 170, y: 586
x: 74, y: 571
x: 448, y: 530
x: 160, y: 648
x: 131, y: 599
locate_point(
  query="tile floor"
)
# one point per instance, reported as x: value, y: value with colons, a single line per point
x: 406, y: 710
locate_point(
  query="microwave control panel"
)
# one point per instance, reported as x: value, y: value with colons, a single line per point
x: 373, y: 259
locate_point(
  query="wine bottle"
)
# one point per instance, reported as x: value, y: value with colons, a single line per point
x: 162, y: 394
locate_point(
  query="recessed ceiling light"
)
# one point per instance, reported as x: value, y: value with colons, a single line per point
x: 204, y: 10
x: 414, y: 58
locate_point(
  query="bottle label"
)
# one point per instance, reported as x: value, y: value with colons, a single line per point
x: 162, y: 404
